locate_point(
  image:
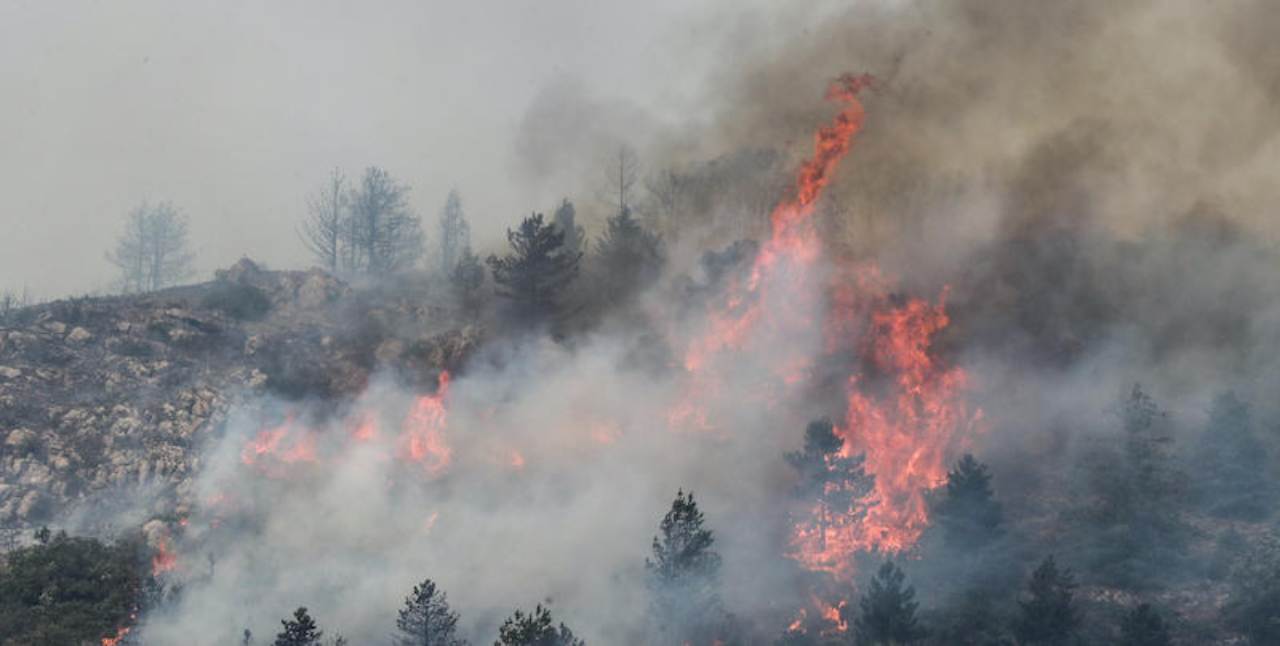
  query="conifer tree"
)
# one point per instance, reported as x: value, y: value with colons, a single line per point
x: 888, y: 610
x: 840, y: 484
x: 1233, y: 481
x: 684, y: 574
x: 535, y: 629
x: 1049, y: 615
x: 426, y: 620
x: 1143, y: 626
x: 629, y: 258
x: 455, y: 233
x: 539, y: 268
x: 968, y: 513
x: 467, y: 280
x: 299, y: 631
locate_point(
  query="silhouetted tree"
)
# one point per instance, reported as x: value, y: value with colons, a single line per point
x: 887, y: 612
x: 620, y: 175
x: 299, y: 631
x: 1049, y: 615
x: 152, y: 252
x: 467, y: 282
x: 1143, y: 626
x: 1233, y: 479
x: 387, y: 234
x: 629, y: 258
x: 426, y: 620
x: 325, y: 229
x: 684, y: 574
x: 538, y: 270
x: 455, y: 233
x: 840, y: 484
x: 968, y: 513
x: 565, y: 219
x: 535, y: 629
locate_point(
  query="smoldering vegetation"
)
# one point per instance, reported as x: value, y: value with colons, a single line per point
x: 1090, y: 190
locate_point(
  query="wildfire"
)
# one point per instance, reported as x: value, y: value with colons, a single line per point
x: 164, y: 560
x: 120, y: 635
x: 286, y: 443
x: 422, y: 436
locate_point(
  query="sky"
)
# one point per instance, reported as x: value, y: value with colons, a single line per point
x: 235, y: 111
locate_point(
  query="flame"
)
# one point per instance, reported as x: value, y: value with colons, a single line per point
x: 120, y: 635
x: 164, y: 560
x: 287, y: 443
x: 783, y: 263
x: 422, y: 436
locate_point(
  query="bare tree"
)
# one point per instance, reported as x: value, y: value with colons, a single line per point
x: 620, y: 177
x: 387, y: 233
x: 455, y: 233
x: 667, y: 190
x: 152, y: 251
x: 325, y: 230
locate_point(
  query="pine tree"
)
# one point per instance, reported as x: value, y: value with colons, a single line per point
x: 535, y: 629
x: 628, y: 256
x: 538, y: 270
x: 299, y: 631
x: 426, y: 620
x: 840, y: 484
x: 565, y: 219
x: 968, y: 513
x: 684, y: 574
x: 1233, y: 481
x: 1049, y: 615
x: 467, y: 280
x: 1143, y: 626
x: 888, y: 610
x: 455, y: 233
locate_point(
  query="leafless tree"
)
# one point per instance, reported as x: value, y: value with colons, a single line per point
x: 152, y: 252
x: 455, y: 233
x: 620, y: 176
x: 668, y: 190
x: 325, y: 231
x: 387, y: 233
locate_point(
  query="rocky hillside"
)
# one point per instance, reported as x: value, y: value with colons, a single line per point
x: 107, y: 394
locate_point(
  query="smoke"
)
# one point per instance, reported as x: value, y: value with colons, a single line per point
x: 1088, y: 185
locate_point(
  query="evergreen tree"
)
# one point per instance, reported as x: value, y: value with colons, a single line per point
x: 968, y: 513
x: 888, y: 610
x: 565, y: 219
x: 455, y: 233
x: 840, y: 484
x: 1233, y: 481
x: 535, y: 629
x: 426, y: 620
x: 1049, y: 615
x: 629, y: 258
x: 1143, y: 626
x: 684, y: 574
x: 538, y: 269
x: 299, y: 631
x: 467, y: 282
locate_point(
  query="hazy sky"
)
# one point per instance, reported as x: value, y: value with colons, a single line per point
x: 236, y: 110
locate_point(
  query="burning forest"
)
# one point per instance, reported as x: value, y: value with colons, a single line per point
x: 926, y: 325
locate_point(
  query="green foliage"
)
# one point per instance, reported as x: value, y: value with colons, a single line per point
x: 535, y: 629
x: 888, y: 610
x: 66, y: 590
x: 426, y: 620
x: 237, y: 300
x: 1049, y: 614
x: 301, y: 630
x: 968, y: 513
x: 1143, y: 626
x: 538, y: 270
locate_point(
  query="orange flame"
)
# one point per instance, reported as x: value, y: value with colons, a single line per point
x: 120, y: 635
x: 422, y: 437
x: 164, y: 560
